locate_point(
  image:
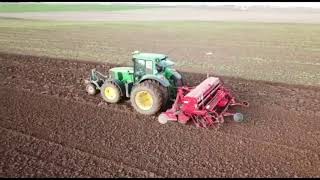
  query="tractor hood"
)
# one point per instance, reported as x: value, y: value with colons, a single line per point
x: 122, y: 69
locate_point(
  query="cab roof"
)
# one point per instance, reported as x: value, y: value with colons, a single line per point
x: 149, y: 56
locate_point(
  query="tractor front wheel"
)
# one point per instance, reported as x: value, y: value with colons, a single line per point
x: 147, y: 98
x: 110, y: 92
x: 91, y: 89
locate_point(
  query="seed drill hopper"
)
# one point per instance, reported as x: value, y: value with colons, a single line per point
x: 206, y: 104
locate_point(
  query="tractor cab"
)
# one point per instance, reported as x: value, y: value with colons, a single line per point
x: 150, y: 64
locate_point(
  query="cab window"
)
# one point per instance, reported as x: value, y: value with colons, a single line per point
x: 139, y: 66
x: 149, y: 68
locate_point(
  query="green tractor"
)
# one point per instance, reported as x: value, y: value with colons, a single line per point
x: 150, y: 84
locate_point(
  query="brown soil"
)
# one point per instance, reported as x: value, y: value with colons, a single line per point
x: 50, y: 127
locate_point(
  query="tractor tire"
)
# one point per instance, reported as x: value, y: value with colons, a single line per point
x: 166, y: 97
x: 110, y: 92
x: 147, y: 97
x: 91, y: 89
x: 179, y: 82
x: 165, y: 93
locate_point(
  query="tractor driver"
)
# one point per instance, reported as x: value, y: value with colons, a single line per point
x: 159, y: 67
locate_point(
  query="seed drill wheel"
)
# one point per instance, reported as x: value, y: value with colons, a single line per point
x: 238, y: 117
x: 147, y: 97
x: 110, y: 92
x: 91, y: 89
x: 162, y: 119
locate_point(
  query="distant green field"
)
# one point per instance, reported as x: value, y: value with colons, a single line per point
x: 16, y: 7
x: 288, y: 53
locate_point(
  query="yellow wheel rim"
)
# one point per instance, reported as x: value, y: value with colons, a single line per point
x: 110, y: 93
x: 144, y: 100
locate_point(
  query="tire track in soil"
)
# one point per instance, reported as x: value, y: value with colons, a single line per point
x: 261, y: 128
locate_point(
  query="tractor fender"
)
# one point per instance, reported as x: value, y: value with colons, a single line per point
x: 176, y: 74
x: 119, y: 84
x: 161, y: 79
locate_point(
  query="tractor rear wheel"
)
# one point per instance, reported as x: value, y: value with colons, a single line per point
x: 178, y: 82
x: 147, y: 98
x: 110, y: 92
x: 165, y: 93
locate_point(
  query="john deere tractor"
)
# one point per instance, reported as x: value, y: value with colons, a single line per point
x: 150, y: 84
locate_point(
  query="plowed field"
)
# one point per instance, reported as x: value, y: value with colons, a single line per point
x: 50, y: 127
